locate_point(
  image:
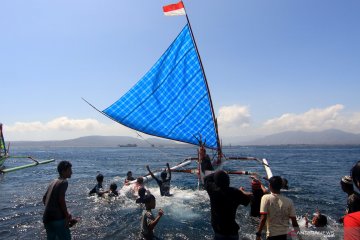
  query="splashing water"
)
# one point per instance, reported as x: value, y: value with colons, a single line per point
x: 187, y: 212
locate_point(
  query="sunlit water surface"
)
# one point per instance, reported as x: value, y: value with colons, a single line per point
x: 313, y: 172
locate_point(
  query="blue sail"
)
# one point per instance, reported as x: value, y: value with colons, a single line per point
x: 171, y: 101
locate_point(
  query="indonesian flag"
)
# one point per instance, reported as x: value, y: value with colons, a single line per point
x: 176, y: 9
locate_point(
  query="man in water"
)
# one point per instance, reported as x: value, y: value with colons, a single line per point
x: 352, y: 220
x: 204, y: 160
x: 224, y: 201
x: 285, y: 184
x: 275, y: 210
x: 112, y: 191
x: 206, y: 166
x: 148, y: 220
x: 129, y: 178
x: 137, y: 185
x: 56, y: 218
x: 164, y: 183
x: 258, y: 190
x: 318, y: 221
x: 98, y: 188
x: 141, y: 193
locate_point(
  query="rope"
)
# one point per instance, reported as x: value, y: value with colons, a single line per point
x: 166, y: 154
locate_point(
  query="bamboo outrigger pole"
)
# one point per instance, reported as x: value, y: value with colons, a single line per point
x: 4, y: 155
x: 7, y: 170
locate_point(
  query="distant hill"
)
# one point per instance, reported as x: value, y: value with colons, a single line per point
x: 326, y: 137
x: 96, y: 141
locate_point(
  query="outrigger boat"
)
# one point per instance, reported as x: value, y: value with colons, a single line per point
x: 4, y: 155
x: 172, y: 101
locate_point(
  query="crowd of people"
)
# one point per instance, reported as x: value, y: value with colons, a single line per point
x: 274, y: 210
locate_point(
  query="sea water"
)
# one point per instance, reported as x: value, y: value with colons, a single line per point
x: 313, y: 172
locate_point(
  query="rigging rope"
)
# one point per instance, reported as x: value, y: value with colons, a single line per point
x: 166, y: 154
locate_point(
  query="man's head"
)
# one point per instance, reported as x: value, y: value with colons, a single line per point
x: 202, y: 152
x: 163, y: 175
x: 276, y: 184
x: 142, y: 192
x: 285, y: 184
x: 140, y: 180
x: 255, y: 184
x: 64, y: 169
x: 355, y: 174
x: 347, y: 184
x: 222, y: 179
x: 113, y: 186
x: 99, y: 178
x: 129, y: 174
x: 150, y: 201
x: 319, y: 220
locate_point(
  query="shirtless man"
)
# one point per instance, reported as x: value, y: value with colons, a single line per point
x: 57, y: 220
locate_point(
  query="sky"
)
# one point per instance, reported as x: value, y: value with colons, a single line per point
x: 271, y: 65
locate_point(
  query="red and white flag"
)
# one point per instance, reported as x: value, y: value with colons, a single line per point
x: 176, y: 9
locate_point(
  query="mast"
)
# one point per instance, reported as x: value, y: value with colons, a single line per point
x: 207, y: 85
x: 2, y: 143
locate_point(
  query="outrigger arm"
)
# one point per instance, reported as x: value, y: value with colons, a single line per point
x: 36, y: 162
x: 4, y: 155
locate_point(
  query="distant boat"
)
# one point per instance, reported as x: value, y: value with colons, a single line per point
x: 128, y: 145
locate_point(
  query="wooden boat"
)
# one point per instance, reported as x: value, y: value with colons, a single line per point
x: 173, y: 101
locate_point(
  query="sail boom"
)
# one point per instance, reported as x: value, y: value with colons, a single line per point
x: 154, y: 135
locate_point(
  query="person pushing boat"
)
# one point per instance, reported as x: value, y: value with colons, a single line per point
x: 204, y: 160
x: 224, y: 201
x: 258, y: 190
x: 98, y: 188
x: 129, y: 178
x: 164, y: 182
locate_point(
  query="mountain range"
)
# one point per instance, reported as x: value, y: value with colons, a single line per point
x: 327, y: 137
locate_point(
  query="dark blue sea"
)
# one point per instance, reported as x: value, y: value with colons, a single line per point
x: 313, y: 172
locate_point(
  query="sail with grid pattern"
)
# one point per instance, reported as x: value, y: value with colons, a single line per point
x: 172, y: 100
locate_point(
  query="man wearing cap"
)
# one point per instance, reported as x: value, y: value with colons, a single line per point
x: 224, y: 201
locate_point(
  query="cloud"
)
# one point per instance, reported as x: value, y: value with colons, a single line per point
x: 354, y: 120
x: 61, y: 123
x: 63, y: 128
x: 231, y: 116
x: 317, y: 119
x: 233, y: 120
